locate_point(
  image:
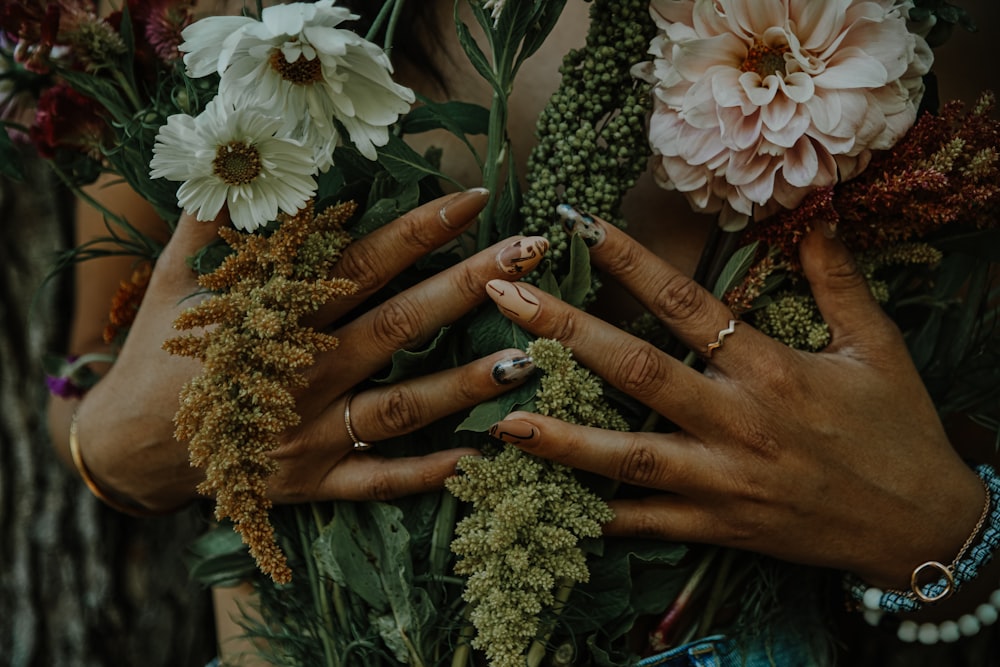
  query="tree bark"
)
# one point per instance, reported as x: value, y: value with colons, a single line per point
x: 81, y: 585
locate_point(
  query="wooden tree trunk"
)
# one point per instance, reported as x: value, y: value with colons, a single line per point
x: 80, y: 585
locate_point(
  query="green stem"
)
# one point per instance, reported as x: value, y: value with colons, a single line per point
x: 320, y: 602
x: 537, y: 651
x: 127, y: 88
x: 380, y: 18
x: 390, y: 30
x: 492, y: 168
x: 444, y: 529
x: 463, y: 650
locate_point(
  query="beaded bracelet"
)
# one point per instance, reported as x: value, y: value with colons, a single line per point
x: 81, y: 467
x: 967, y: 625
x: 973, y: 555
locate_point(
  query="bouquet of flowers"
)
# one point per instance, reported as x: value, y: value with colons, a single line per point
x: 290, y: 118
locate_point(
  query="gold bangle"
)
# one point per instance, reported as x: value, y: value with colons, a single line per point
x: 81, y: 467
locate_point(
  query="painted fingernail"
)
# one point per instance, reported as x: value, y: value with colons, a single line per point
x: 522, y: 255
x: 509, y: 371
x: 461, y: 209
x: 513, y: 433
x: 513, y: 299
x: 581, y: 224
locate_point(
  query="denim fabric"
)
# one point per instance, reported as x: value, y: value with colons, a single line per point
x: 717, y: 651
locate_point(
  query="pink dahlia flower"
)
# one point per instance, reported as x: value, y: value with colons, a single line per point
x: 757, y: 102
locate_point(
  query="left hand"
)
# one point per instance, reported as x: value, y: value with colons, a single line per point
x: 835, y: 459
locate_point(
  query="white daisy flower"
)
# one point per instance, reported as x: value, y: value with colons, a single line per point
x: 299, y: 65
x: 234, y: 156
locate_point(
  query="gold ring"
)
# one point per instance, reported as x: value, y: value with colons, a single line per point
x: 712, y: 347
x: 359, y: 445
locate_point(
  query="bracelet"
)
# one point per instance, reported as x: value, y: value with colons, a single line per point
x: 971, y: 557
x: 967, y: 625
x: 81, y: 467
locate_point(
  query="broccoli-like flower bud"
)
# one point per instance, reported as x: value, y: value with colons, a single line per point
x: 521, y: 541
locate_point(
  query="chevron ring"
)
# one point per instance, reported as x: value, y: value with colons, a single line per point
x: 712, y: 347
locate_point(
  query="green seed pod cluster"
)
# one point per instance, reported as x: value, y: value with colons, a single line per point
x: 592, y: 139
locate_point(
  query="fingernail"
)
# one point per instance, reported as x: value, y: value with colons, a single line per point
x: 509, y: 371
x: 461, y: 209
x: 829, y: 227
x: 513, y: 433
x: 522, y: 255
x: 581, y: 224
x: 513, y: 299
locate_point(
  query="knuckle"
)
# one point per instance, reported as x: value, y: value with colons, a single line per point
x: 397, y: 323
x: 361, y: 264
x: 762, y: 445
x: 563, y: 328
x: 678, y: 298
x: 624, y: 260
x: 639, y: 465
x: 415, y: 232
x: 378, y: 485
x: 470, y: 286
x: 399, y: 410
x: 642, y: 372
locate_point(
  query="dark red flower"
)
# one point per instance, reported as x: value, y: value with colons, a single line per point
x: 66, y: 119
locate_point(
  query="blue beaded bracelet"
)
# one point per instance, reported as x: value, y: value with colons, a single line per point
x: 973, y: 556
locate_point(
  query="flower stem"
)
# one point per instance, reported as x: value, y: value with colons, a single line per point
x: 537, y: 651
x: 318, y: 593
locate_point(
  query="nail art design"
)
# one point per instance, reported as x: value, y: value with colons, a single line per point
x: 513, y: 370
x: 581, y: 224
x: 513, y: 299
x: 460, y: 210
x: 521, y: 256
x: 502, y: 432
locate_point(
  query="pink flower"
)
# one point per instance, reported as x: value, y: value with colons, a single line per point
x: 757, y: 102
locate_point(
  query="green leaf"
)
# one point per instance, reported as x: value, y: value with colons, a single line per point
x: 219, y: 558
x: 407, y: 364
x: 473, y: 52
x: 366, y: 549
x: 548, y: 283
x: 633, y: 578
x: 982, y: 244
x: 484, y: 415
x: 405, y: 164
x: 490, y: 331
x: 459, y: 118
x: 735, y: 269
x: 576, y: 285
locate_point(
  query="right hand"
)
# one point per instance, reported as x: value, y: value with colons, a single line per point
x: 135, y: 455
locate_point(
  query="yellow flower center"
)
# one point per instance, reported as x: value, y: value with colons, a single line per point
x: 765, y: 60
x: 302, y: 72
x: 236, y: 163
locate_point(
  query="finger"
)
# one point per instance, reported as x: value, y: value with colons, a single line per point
x: 415, y: 315
x: 668, y: 462
x: 665, y: 517
x: 628, y: 363
x: 382, y: 413
x: 374, y: 259
x: 843, y: 296
x: 699, y: 319
x: 371, y: 477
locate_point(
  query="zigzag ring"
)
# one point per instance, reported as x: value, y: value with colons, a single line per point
x: 712, y: 347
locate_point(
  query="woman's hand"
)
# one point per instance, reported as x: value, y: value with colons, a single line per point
x: 126, y: 429
x: 834, y: 459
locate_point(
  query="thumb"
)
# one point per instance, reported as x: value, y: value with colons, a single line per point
x: 842, y: 294
x: 190, y: 236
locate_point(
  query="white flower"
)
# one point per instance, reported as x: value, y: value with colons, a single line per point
x: 298, y: 64
x: 233, y: 156
x: 497, y: 8
x: 759, y: 101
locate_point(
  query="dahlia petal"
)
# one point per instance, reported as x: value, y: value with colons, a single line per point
x: 799, y: 87
x: 852, y: 68
x: 815, y: 22
x: 786, y: 135
x: 755, y: 17
x: 738, y: 131
x: 693, y: 58
x: 759, y: 92
x: 777, y: 114
x: 801, y: 164
x: 726, y: 88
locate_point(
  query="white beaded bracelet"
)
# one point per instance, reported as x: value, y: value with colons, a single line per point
x: 967, y: 625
